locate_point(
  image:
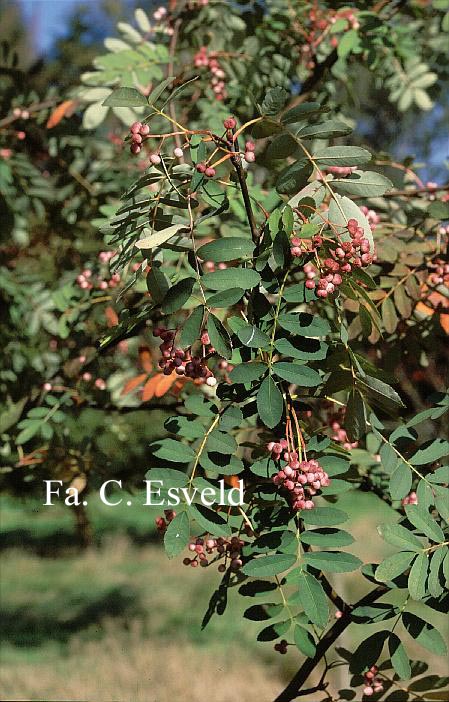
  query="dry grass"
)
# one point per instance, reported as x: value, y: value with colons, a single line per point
x: 125, y: 666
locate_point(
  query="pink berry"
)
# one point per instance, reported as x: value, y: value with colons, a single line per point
x: 229, y: 123
x: 135, y: 149
x: 155, y: 159
x: 144, y: 130
x: 250, y: 156
x: 47, y: 387
x: 178, y: 152
x: 209, y: 172
x: 136, y: 127
x: 201, y: 167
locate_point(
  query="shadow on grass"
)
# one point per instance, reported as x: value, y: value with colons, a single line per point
x: 34, y: 626
x: 57, y: 542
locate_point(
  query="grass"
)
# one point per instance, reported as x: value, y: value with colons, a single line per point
x: 119, y: 621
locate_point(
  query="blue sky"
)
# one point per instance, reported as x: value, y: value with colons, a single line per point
x: 49, y: 18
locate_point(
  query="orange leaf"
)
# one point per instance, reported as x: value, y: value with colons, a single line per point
x: 111, y: 317
x: 60, y: 112
x: 165, y: 384
x: 232, y: 480
x: 150, y: 387
x: 145, y: 359
x: 133, y: 383
x: 444, y: 321
x: 424, y: 309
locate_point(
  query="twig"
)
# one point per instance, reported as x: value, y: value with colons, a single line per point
x: 292, y: 690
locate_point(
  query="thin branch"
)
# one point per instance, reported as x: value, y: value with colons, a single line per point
x: 293, y: 689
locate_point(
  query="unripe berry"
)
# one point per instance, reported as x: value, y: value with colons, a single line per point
x: 178, y: 152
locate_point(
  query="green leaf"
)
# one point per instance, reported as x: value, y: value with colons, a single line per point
x: 439, y: 209
x: 436, y: 560
x: 219, y: 337
x: 177, y: 295
x: 399, y: 658
x: 274, y: 631
x: 157, y: 284
x: 355, y: 417
x: 424, y: 634
x: 332, y: 561
x: 247, y: 372
x: 423, y: 521
x: 393, y: 566
x: 341, y: 156
x: 324, y: 516
x: 209, y: 520
x: 397, y: 535
x: 226, y: 249
x: 390, y: 318
x: 303, y: 349
x: 313, y: 599
x: 400, y: 481
x: 177, y: 535
x: 159, y: 89
x: 28, y: 432
x: 245, y: 278
x: 125, y: 97
x: 270, y: 403
x: 304, y: 324
x: 326, y: 538
x: 417, y: 578
x: 252, y: 336
x: 225, y: 298
x: 324, y: 130
x: 341, y: 209
x: 262, y: 612
x: 220, y: 442
x: 294, y: 177
x: 302, y: 111
x: 430, y: 453
x: 304, y: 641
x: 172, y: 450
x: 379, y: 392
x: 265, y: 566
x: 158, y: 238
x: 274, y: 100
x: 192, y: 327
x: 300, y: 375
x: 362, y: 184
x: 368, y: 652
x: 168, y: 476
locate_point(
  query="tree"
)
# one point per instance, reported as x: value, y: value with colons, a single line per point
x: 287, y: 281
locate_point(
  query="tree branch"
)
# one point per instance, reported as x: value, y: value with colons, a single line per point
x: 293, y: 689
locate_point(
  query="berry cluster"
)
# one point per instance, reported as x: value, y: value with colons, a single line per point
x: 207, y: 170
x: 373, y: 684
x: 302, y: 479
x: 439, y: 273
x: 220, y: 548
x: 346, y: 256
x: 86, y: 280
x: 410, y: 499
x: 162, y: 523
x: 372, y: 217
x: 182, y: 362
x: 209, y: 60
x: 138, y: 133
x: 99, y: 383
x: 210, y: 266
x: 320, y: 22
x: 339, y: 435
x: 281, y: 646
x: 18, y: 113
